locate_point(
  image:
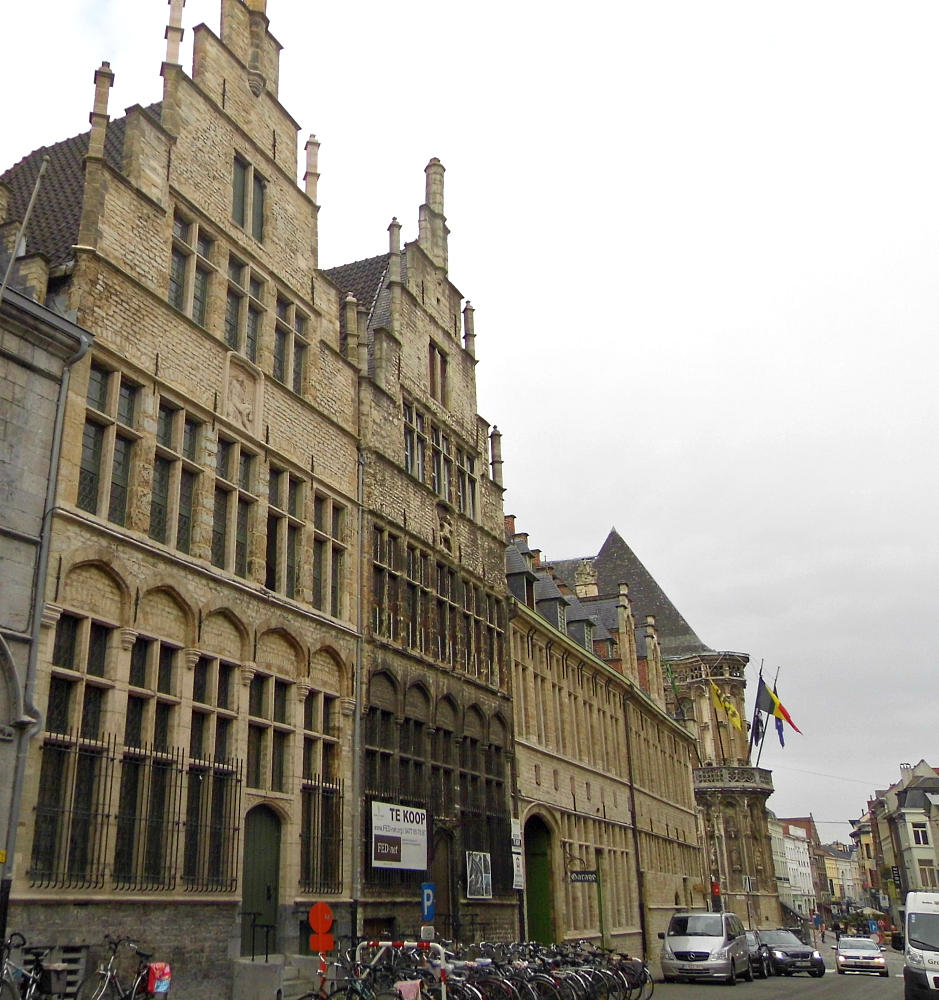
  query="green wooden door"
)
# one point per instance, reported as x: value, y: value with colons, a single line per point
x: 259, y: 880
x: 539, y: 900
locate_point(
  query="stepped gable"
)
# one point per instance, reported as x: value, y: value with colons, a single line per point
x: 616, y: 563
x: 53, y: 227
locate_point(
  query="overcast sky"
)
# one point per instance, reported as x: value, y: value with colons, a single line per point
x: 702, y: 241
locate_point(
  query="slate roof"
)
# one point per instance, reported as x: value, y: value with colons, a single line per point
x: 53, y: 226
x: 368, y: 281
x: 616, y: 563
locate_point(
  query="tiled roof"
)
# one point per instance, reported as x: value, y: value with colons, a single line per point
x: 616, y: 563
x: 53, y: 227
x: 363, y: 278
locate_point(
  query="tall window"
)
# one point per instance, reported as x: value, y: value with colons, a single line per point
x: 466, y: 483
x: 175, y: 476
x: 920, y: 834
x: 386, y: 589
x: 191, y: 269
x: 244, y: 309
x: 437, y: 366
x: 234, y: 506
x: 329, y: 553
x: 284, y: 532
x: 290, y: 345
x: 70, y: 833
x: 213, y: 779
x: 415, y: 442
x: 248, y: 189
x: 108, y: 444
x: 320, y: 796
x: 441, y: 475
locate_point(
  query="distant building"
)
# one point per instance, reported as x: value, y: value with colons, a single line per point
x: 604, y: 774
x: 904, y: 828
x: 844, y: 877
x: 703, y: 688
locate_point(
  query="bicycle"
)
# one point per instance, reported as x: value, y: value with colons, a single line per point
x: 105, y: 984
x: 32, y: 981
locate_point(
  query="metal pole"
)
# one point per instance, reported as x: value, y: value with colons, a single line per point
x: 22, y: 229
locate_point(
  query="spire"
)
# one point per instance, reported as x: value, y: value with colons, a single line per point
x: 174, y: 31
x: 432, y: 223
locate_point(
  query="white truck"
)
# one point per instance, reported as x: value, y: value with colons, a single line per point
x: 921, y: 951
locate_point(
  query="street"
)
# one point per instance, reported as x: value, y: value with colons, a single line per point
x: 831, y: 986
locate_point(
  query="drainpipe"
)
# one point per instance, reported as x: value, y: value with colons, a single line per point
x: 640, y: 880
x: 357, y: 859
x: 32, y: 717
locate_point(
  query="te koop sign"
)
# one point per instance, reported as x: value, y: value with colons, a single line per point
x: 399, y: 836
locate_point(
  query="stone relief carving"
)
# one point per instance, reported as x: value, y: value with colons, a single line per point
x: 242, y: 395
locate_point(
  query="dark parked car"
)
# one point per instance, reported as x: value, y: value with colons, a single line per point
x: 761, y: 961
x: 790, y: 955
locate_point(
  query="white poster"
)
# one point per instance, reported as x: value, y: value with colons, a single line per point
x: 518, y: 873
x: 399, y: 837
x: 478, y: 875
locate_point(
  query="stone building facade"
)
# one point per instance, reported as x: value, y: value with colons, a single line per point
x: 38, y: 348
x: 604, y: 774
x: 277, y: 551
x: 704, y: 689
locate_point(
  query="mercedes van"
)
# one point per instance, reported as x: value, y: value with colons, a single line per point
x: 921, y: 951
x: 703, y: 945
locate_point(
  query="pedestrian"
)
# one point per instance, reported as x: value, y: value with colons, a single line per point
x: 836, y: 927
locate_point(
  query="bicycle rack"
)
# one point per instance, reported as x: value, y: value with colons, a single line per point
x: 431, y: 946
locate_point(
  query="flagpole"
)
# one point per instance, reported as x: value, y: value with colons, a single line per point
x: 765, y: 727
x: 755, y: 711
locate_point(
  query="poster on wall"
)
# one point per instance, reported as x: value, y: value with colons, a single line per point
x: 518, y: 874
x: 399, y: 837
x: 478, y: 875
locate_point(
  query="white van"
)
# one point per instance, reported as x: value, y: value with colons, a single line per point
x: 921, y: 952
x: 704, y: 945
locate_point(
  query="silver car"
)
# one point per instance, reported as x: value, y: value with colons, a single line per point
x: 702, y: 945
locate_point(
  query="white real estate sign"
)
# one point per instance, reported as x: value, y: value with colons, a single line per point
x: 399, y: 837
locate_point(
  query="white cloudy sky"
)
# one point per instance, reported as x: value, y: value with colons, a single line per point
x: 702, y: 240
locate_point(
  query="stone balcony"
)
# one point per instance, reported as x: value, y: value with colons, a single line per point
x: 733, y: 778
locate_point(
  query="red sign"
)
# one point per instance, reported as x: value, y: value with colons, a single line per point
x: 320, y: 919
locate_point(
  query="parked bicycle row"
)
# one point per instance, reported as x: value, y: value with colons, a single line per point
x: 419, y: 970
x: 27, y: 975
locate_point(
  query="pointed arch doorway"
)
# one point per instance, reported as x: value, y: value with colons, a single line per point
x: 260, y: 879
x: 539, y: 898
x: 442, y: 877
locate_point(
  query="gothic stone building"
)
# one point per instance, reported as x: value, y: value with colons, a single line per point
x: 604, y: 774
x: 730, y: 792
x: 275, y: 585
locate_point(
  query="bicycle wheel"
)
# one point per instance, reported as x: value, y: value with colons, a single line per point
x: 95, y: 987
x: 648, y: 984
x: 8, y: 991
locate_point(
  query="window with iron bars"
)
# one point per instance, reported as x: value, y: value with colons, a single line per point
x: 130, y: 811
x: 320, y: 795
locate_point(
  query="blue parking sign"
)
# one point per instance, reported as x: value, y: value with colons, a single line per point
x: 428, y: 901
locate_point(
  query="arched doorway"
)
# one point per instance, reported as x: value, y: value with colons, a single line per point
x: 260, y: 880
x: 539, y: 898
x: 441, y: 875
